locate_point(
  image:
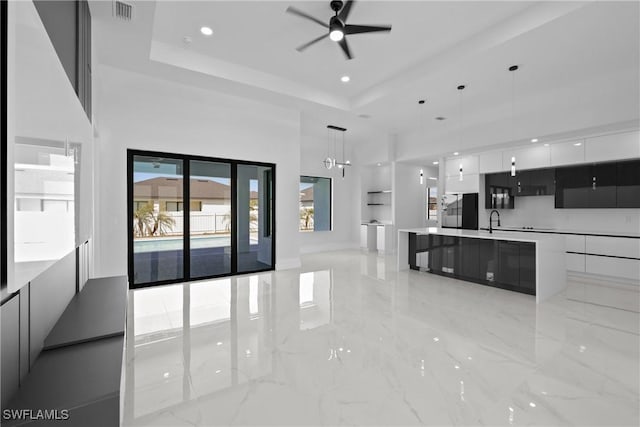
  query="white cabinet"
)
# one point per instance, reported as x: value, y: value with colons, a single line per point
x: 528, y: 158
x: 469, y: 165
x: 490, y: 162
x: 618, y: 267
x: 575, y: 243
x: 567, y: 153
x: 575, y: 262
x: 469, y: 184
x: 384, y: 239
x: 613, y: 246
x: 613, y: 147
x: 364, y: 229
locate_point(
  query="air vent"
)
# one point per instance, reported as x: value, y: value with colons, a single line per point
x: 122, y: 10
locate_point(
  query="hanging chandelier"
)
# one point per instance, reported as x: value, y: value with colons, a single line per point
x: 331, y: 161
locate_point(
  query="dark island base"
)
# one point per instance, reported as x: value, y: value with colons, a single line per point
x: 510, y: 264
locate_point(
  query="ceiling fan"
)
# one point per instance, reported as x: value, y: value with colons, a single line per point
x: 338, y: 28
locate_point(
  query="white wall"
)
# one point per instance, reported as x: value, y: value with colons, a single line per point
x: 343, y: 235
x: 148, y: 113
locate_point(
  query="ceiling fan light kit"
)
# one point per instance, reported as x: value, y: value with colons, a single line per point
x: 337, y: 27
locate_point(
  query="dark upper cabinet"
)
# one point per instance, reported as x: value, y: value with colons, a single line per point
x: 535, y: 182
x: 600, y: 185
x: 602, y: 193
x: 500, y: 189
x: 628, y: 184
x: 572, y: 186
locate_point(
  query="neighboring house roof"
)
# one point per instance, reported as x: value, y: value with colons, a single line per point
x: 171, y: 188
x: 307, y: 195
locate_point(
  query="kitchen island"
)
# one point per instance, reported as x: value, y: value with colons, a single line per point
x: 521, y: 262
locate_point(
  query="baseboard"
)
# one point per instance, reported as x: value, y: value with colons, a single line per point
x: 288, y: 264
x: 327, y: 247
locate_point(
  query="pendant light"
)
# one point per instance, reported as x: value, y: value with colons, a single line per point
x: 422, y: 121
x: 513, y: 70
x: 460, y: 89
x: 332, y: 136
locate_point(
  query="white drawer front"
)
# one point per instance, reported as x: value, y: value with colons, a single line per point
x: 575, y: 243
x: 576, y: 262
x: 616, y: 267
x: 616, y: 246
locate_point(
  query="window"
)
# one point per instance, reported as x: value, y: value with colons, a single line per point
x: 315, y: 203
x: 432, y: 203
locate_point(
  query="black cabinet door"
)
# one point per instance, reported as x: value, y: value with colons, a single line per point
x: 488, y: 260
x: 528, y: 267
x: 469, y: 265
x: 500, y: 189
x: 603, y: 186
x: 535, y: 182
x: 508, y: 264
x: 628, y: 184
x: 572, y: 187
x: 435, y: 253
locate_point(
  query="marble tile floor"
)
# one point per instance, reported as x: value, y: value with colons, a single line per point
x: 347, y: 340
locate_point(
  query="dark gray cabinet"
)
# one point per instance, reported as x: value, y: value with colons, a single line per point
x: 628, y: 184
x: 535, y: 182
x: 600, y: 185
x: 500, y: 189
x: 504, y: 264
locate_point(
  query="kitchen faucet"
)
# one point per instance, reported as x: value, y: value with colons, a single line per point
x: 491, y: 220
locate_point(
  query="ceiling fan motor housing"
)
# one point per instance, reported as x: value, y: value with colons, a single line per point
x: 336, y: 5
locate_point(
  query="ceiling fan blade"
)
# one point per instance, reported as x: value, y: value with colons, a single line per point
x: 301, y: 14
x: 345, y: 47
x: 306, y: 45
x: 344, y: 12
x: 356, y: 29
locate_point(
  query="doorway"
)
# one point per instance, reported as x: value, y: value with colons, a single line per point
x: 193, y: 217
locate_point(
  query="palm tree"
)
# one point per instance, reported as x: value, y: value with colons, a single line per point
x: 143, y: 220
x: 306, y: 215
x: 162, y: 223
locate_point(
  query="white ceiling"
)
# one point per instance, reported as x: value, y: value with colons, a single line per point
x: 562, y: 48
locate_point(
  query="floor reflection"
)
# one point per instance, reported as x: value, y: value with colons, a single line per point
x: 193, y: 340
x: 350, y: 340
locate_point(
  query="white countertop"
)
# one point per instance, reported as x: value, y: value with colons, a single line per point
x: 565, y: 231
x: 480, y: 234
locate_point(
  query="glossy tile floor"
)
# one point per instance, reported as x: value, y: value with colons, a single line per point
x: 349, y: 340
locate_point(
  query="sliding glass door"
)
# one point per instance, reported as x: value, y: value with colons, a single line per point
x: 254, y: 205
x: 193, y: 217
x: 210, y: 219
x: 157, y: 223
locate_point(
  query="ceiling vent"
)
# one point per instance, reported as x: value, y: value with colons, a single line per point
x: 122, y: 10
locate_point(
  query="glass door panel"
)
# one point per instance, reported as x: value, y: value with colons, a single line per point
x: 158, y: 239
x: 210, y: 217
x: 254, y: 215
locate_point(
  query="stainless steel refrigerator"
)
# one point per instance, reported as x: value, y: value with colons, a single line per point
x: 460, y: 211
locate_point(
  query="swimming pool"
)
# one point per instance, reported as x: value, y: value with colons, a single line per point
x: 175, y: 243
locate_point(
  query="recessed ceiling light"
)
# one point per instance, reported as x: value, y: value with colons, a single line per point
x: 421, y: 102
x: 379, y: 164
x: 546, y: 145
x: 206, y: 31
x: 534, y: 140
x: 456, y: 153
x: 577, y: 144
x: 436, y: 162
x: 345, y: 79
